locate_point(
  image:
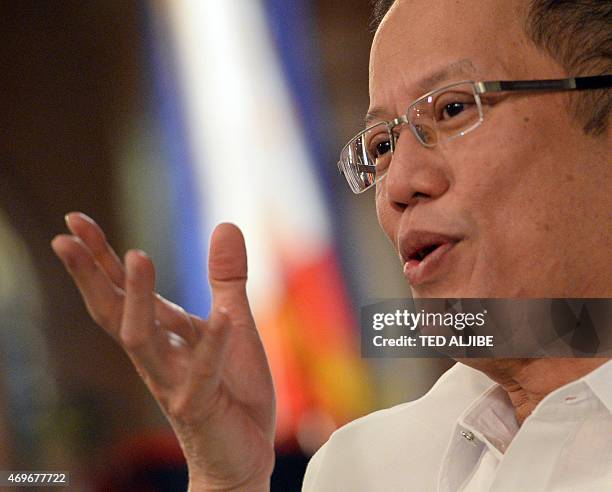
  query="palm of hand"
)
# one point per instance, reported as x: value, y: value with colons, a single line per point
x: 211, y: 378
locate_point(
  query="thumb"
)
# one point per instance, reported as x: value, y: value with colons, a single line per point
x: 227, y: 268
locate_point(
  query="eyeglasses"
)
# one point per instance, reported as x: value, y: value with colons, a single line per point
x: 436, y: 117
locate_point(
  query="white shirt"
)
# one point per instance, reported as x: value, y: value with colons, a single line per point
x: 463, y: 436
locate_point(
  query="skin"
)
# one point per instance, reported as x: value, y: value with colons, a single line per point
x: 528, y: 192
x: 223, y: 421
x: 528, y: 189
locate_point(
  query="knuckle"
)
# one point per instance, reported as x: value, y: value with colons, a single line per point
x: 86, y: 266
x: 132, y: 283
x: 183, y: 410
x: 180, y: 410
x: 101, y: 319
x: 131, y: 339
x: 108, y: 318
x: 173, y: 316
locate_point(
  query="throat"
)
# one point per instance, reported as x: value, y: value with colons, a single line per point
x: 523, y: 401
x: 528, y: 381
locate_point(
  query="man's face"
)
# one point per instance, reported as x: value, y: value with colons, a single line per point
x: 522, y: 204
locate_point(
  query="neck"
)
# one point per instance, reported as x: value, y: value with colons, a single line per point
x: 528, y: 381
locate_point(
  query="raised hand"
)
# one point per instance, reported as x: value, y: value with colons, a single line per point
x: 210, y: 377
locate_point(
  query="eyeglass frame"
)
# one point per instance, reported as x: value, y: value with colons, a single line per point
x: 482, y: 87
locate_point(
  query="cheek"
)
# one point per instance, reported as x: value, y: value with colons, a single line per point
x: 514, y: 185
x: 514, y: 172
x: 386, y: 218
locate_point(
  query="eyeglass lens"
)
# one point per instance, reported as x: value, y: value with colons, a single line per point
x: 440, y: 116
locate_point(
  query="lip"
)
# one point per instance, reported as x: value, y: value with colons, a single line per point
x: 419, y: 271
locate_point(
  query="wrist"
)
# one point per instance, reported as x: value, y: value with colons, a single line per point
x: 196, y: 485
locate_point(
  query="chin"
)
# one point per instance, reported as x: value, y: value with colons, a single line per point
x: 443, y: 292
x: 456, y: 287
x: 474, y: 290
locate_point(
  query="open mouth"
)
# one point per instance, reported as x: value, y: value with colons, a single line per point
x: 422, y: 253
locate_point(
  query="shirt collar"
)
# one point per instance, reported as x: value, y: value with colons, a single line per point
x: 588, y: 395
x: 600, y: 382
x: 492, y: 419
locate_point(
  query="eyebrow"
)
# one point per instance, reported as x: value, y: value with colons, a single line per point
x: 463, y: 67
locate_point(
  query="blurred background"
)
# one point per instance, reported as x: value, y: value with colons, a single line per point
x: 160, y: 119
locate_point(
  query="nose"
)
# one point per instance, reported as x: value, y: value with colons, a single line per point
x: 416, y: 173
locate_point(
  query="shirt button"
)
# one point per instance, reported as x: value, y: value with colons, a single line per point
x: 468, y: 435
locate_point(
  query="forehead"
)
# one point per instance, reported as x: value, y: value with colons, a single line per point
x: 418, y: 38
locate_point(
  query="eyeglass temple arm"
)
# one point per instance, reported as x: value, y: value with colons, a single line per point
x: 364, y: 168
x: 572, y: 84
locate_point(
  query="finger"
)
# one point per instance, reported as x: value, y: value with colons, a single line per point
x: 104, y: 301
x: 227, y: 269
x: 172, y: 316
x: 139, y: 332
x: 207, y: 362
x: 92, y: 235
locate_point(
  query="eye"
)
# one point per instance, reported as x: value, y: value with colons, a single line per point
x: 379, y: 145
x: 379, y: 151
x: 455, y: 104
x: 382, y: 148
x: 452, y: 109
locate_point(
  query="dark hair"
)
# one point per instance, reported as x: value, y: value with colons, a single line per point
x: 578, y: 35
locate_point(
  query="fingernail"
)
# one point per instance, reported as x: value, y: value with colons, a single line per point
x: 66, y: 217
x: 67, y: 260
x: 56, y: 238
x: 135, y: 253
x: 223, y: 310
x: 52, y: 241
x: 141, y: 253
x: 85, y: 217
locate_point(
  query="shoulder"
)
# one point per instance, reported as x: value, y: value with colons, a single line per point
x: 383, y: 448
